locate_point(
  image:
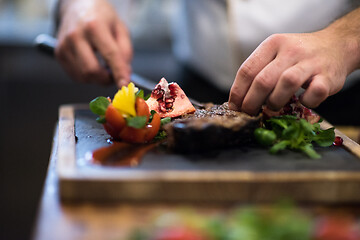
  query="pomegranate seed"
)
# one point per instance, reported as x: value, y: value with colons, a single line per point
x: 157, y: 93
x: 173, y: 91
x: 169, y: 100
x: 287, y: 110
x: 165, y: 95
x: 162, y: 107
x: 168, y: 105
x: 338, y: 141
x: 298, y: 110
x: 307, y: 112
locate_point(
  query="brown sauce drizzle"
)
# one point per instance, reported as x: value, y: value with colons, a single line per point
x: 121, y: 154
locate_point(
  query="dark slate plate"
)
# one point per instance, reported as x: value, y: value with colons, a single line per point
x: 248, y: 174
x: 90, y: 136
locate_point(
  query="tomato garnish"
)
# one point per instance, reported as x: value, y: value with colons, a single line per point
x: 133, y: 135
x: 142, y: 108
x: 114, y: 122
x: 153, y: 128
x: 127, y: 117
x: 142, y: 135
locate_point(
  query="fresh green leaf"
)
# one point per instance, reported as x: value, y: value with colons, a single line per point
x: 160, y: 135
x: 99, y: 105
x: 147, y: 96
x: 325, y: 137
x: 316, y: 127
x: 289, y: 117
x: 136, y: 122
x: 309, y: 150
x: 140, y: 94
x: 282, y: 123
x: 306, y: 127
x: 165, y: 120
x: 291, y: 132
x: 297, y: 134
x: 152, y: 112
x: 279, y: 146
x: 101, y: 119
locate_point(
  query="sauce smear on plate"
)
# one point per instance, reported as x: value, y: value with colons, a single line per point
x: 121, y: 154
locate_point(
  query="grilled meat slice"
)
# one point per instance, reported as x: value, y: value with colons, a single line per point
x: 214, y: 127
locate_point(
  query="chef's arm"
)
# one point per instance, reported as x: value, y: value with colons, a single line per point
x: 319, y: 62
x: 87, y: 28
x: 347, y: 30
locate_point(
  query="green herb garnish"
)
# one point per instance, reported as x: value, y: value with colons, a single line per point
x: 136, y: 122
x: 297, y: 134
x: 99, y: 105
x: 165, y: 120
x: 152, y: 112
x: 147, y: 96
x: 101, y: 119
x: 161, y: 135
x: 142, y: 95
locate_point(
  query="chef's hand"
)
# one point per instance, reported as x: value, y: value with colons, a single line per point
x: 318, y: 62
x: 88, y: 27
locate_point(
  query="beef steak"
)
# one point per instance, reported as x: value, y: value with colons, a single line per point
x: 213, y: 127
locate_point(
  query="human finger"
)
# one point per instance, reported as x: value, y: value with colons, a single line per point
x: 289, y: 83
x: 104, y: 41
x: 67, y: 62
x: 247, y: 72
x: 64, y: 53
x: 124, y: 41
x: 264, y: 83
x: 79, y: 60
x: 90, y: 69
x: 317, y: 91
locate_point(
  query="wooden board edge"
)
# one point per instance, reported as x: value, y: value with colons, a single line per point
x: 66, y: 157
x: 232, y: 191
x: 209, y: 176
x: 348, y: 143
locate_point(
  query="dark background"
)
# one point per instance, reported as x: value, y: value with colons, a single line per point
x: 33, y: 86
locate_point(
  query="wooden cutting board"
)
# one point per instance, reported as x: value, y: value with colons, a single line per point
x: 234, y: 175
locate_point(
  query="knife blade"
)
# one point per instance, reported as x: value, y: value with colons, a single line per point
x: 47, y: 44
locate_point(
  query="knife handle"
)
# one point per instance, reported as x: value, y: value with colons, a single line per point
x: 46, y: 44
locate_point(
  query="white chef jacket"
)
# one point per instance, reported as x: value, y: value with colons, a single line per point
x: 215, y: 36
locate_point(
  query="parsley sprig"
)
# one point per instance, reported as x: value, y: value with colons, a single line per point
x: 288, y: 131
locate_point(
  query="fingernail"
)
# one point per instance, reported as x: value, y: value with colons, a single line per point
x: 233, y: 106
x: 123, y: 82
